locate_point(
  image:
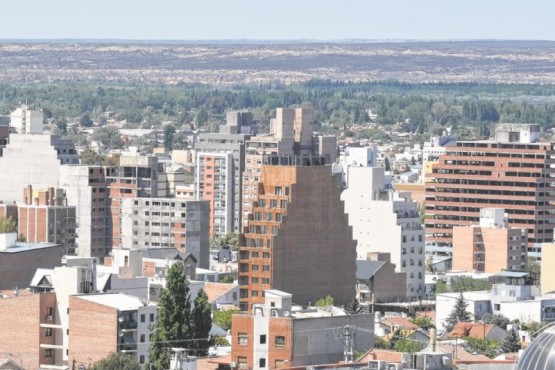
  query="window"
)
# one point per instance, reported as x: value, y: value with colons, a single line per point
x: 278, y: 190
x: 242, y: 339
x: 287, y: 190
x: 254, y: 254
x: 266, y: 255
x: 142, y: 359
x: 263, y: 339
x: 254, y: 267
x: 143, y: 317
x: 48, y: 332
x: 265, y: 280
x: 283, y: 204
x: 262, y: 362
x: 266, y: 268
x: 273, y: 203
x: 48, y: 352
x: 254, y: 280
x: 242, y: 362
x: 142, y: 338
x: 254, y: 293
x: 48, y: 315
x: 279, y: 341
x: 151, y: 317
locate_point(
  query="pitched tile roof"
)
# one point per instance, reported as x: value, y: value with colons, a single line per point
x: 399, y: 322
x: 470, y: 329
x: 216, y: 290
x: 383, y: 355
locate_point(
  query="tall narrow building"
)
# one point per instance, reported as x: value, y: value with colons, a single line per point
x: 514, y: 172
x: 297, y: 237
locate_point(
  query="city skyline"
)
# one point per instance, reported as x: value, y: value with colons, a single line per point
x: 308, y: 20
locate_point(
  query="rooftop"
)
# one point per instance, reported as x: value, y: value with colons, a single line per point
x: 28, y: 247
x: 216, y: 290
x: 119, y: 301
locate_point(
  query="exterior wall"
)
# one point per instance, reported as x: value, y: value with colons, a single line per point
x: 548, y: 272
x: 8, y: 210
x: 315, y: 339
x: 94, y: 331
x: 18, y: 268
x: 163, y: 223
x: 388, y: 285
x: 417, y: 192
x: 386, y: 222
x: 23, y: 319
x: 477, y: 307
x: 86, y: 189
x: 298, y: 229
x: 230, y: 149
x: 489, y: 250
x: 33, y: 159
x: 475, y: 175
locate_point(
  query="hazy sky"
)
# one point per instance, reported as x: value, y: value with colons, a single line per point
x: 279, y: 19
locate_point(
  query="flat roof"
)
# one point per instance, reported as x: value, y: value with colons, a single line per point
x: 28, y: 247
x: 481, y: 295
x: 120, y: 301
x: 278, y: 293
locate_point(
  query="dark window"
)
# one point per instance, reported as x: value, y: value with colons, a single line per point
x: 263, y: 339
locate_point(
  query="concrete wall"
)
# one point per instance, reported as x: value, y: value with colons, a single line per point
x: 548, y: 272
x: 17, y: 268
x: 316, y: 340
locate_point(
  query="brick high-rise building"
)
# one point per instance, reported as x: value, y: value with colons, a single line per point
x: 514, y: 172
x: 291, y: 133
x: 297, y: 229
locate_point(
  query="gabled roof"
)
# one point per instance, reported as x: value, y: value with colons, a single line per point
x: 386, y: 355
x: 366, y: 269
x: 167, y: 253
x: 4, y: 363
x: 399, y: 322
x: 42, y: 278
x: 216, y: 290
x: 470, y: 329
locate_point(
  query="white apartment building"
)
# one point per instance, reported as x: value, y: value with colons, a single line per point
x: 386, y: 221
x: 26, y: 121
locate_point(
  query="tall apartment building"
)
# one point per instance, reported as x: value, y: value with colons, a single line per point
x: 386, y: 221
x: 137, y: 176
x: 514, y: 172
x: 291, y: 133
x: 104, y: 323
x: 45, y: 217
x: 165, y: 223
x: 220, y: 166
x: 490, y: 246
x: 297, y: 229
x: 278, y: 335
x: 33, y: 159
x: 87, y: 189
x: 26, y: 121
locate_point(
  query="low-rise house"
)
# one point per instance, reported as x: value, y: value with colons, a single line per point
x: 478, y: 331
x: 377, y: 281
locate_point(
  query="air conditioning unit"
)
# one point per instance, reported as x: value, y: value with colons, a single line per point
x: 376, y: 365
x: 395, y: 366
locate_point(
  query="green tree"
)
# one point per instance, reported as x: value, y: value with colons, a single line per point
x: 174, y: 324
x: 117, y: 361
x: 354, y: 307
x: 511, y: 343
x: 458, y: 314
x: 533, y: 327
x: 407, y: 345
x: 223, y: 318
x: 229, y: 240
x: 202, y: 323
x: 7, y: 225
x: 169, y: 133
x: 109, y: 136
x: 379, y: 342
x: 488, y: 347
x: 86, y: 120
x: 325, y: 301
x: 496, y: 319
x: 424, y: 322
x: 468, y: 284
x: 90, y: 157
x: 227, y: 279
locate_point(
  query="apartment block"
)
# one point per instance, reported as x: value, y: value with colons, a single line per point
x: 137, y: 176
x: 291, y: 133
x: 490, y: 246
x: 29, y: 330
x: 33, y: 159
x: 215, y: 184
x: 386, y: 221
x: 26, y: 121
x: 104, y: 323
x: 279, y: 334
x: 515, y: 173
x: 165, y: 223
x: 86, y: 188
x: 298, y: 228
x: 44, y: 217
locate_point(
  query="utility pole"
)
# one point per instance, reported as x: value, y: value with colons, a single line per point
x: 348, y: 337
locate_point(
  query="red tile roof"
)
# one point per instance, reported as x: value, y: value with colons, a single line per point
x: 399, y: 322
x: 215, y: 290
x: 383, y: 355
x: 470, y: 329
